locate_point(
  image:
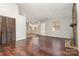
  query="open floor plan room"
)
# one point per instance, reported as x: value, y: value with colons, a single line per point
x: 39, y: 29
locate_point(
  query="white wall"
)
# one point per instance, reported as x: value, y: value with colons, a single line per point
x: 11, y: 10
x: 20, y: 27
x: 65, y: 29
x: 8, y: 9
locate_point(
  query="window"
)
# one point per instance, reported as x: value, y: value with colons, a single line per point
x: 56, y: 26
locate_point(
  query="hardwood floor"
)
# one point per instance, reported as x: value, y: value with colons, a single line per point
x: 27, y: 48
x: 20, y: 48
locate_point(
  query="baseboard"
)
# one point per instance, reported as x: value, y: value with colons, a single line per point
x: 20, y: 39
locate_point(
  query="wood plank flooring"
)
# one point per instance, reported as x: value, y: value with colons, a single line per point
x: 26, y: 48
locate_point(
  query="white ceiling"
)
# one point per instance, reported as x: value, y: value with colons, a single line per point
x: 40, y: 11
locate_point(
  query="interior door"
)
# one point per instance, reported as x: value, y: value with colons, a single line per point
x: 9, y: 32
x: 13, y: 25
x: 7, y: 29
x: 4, y: 30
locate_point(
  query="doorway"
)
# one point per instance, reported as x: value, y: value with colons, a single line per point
x: 43, y: 31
